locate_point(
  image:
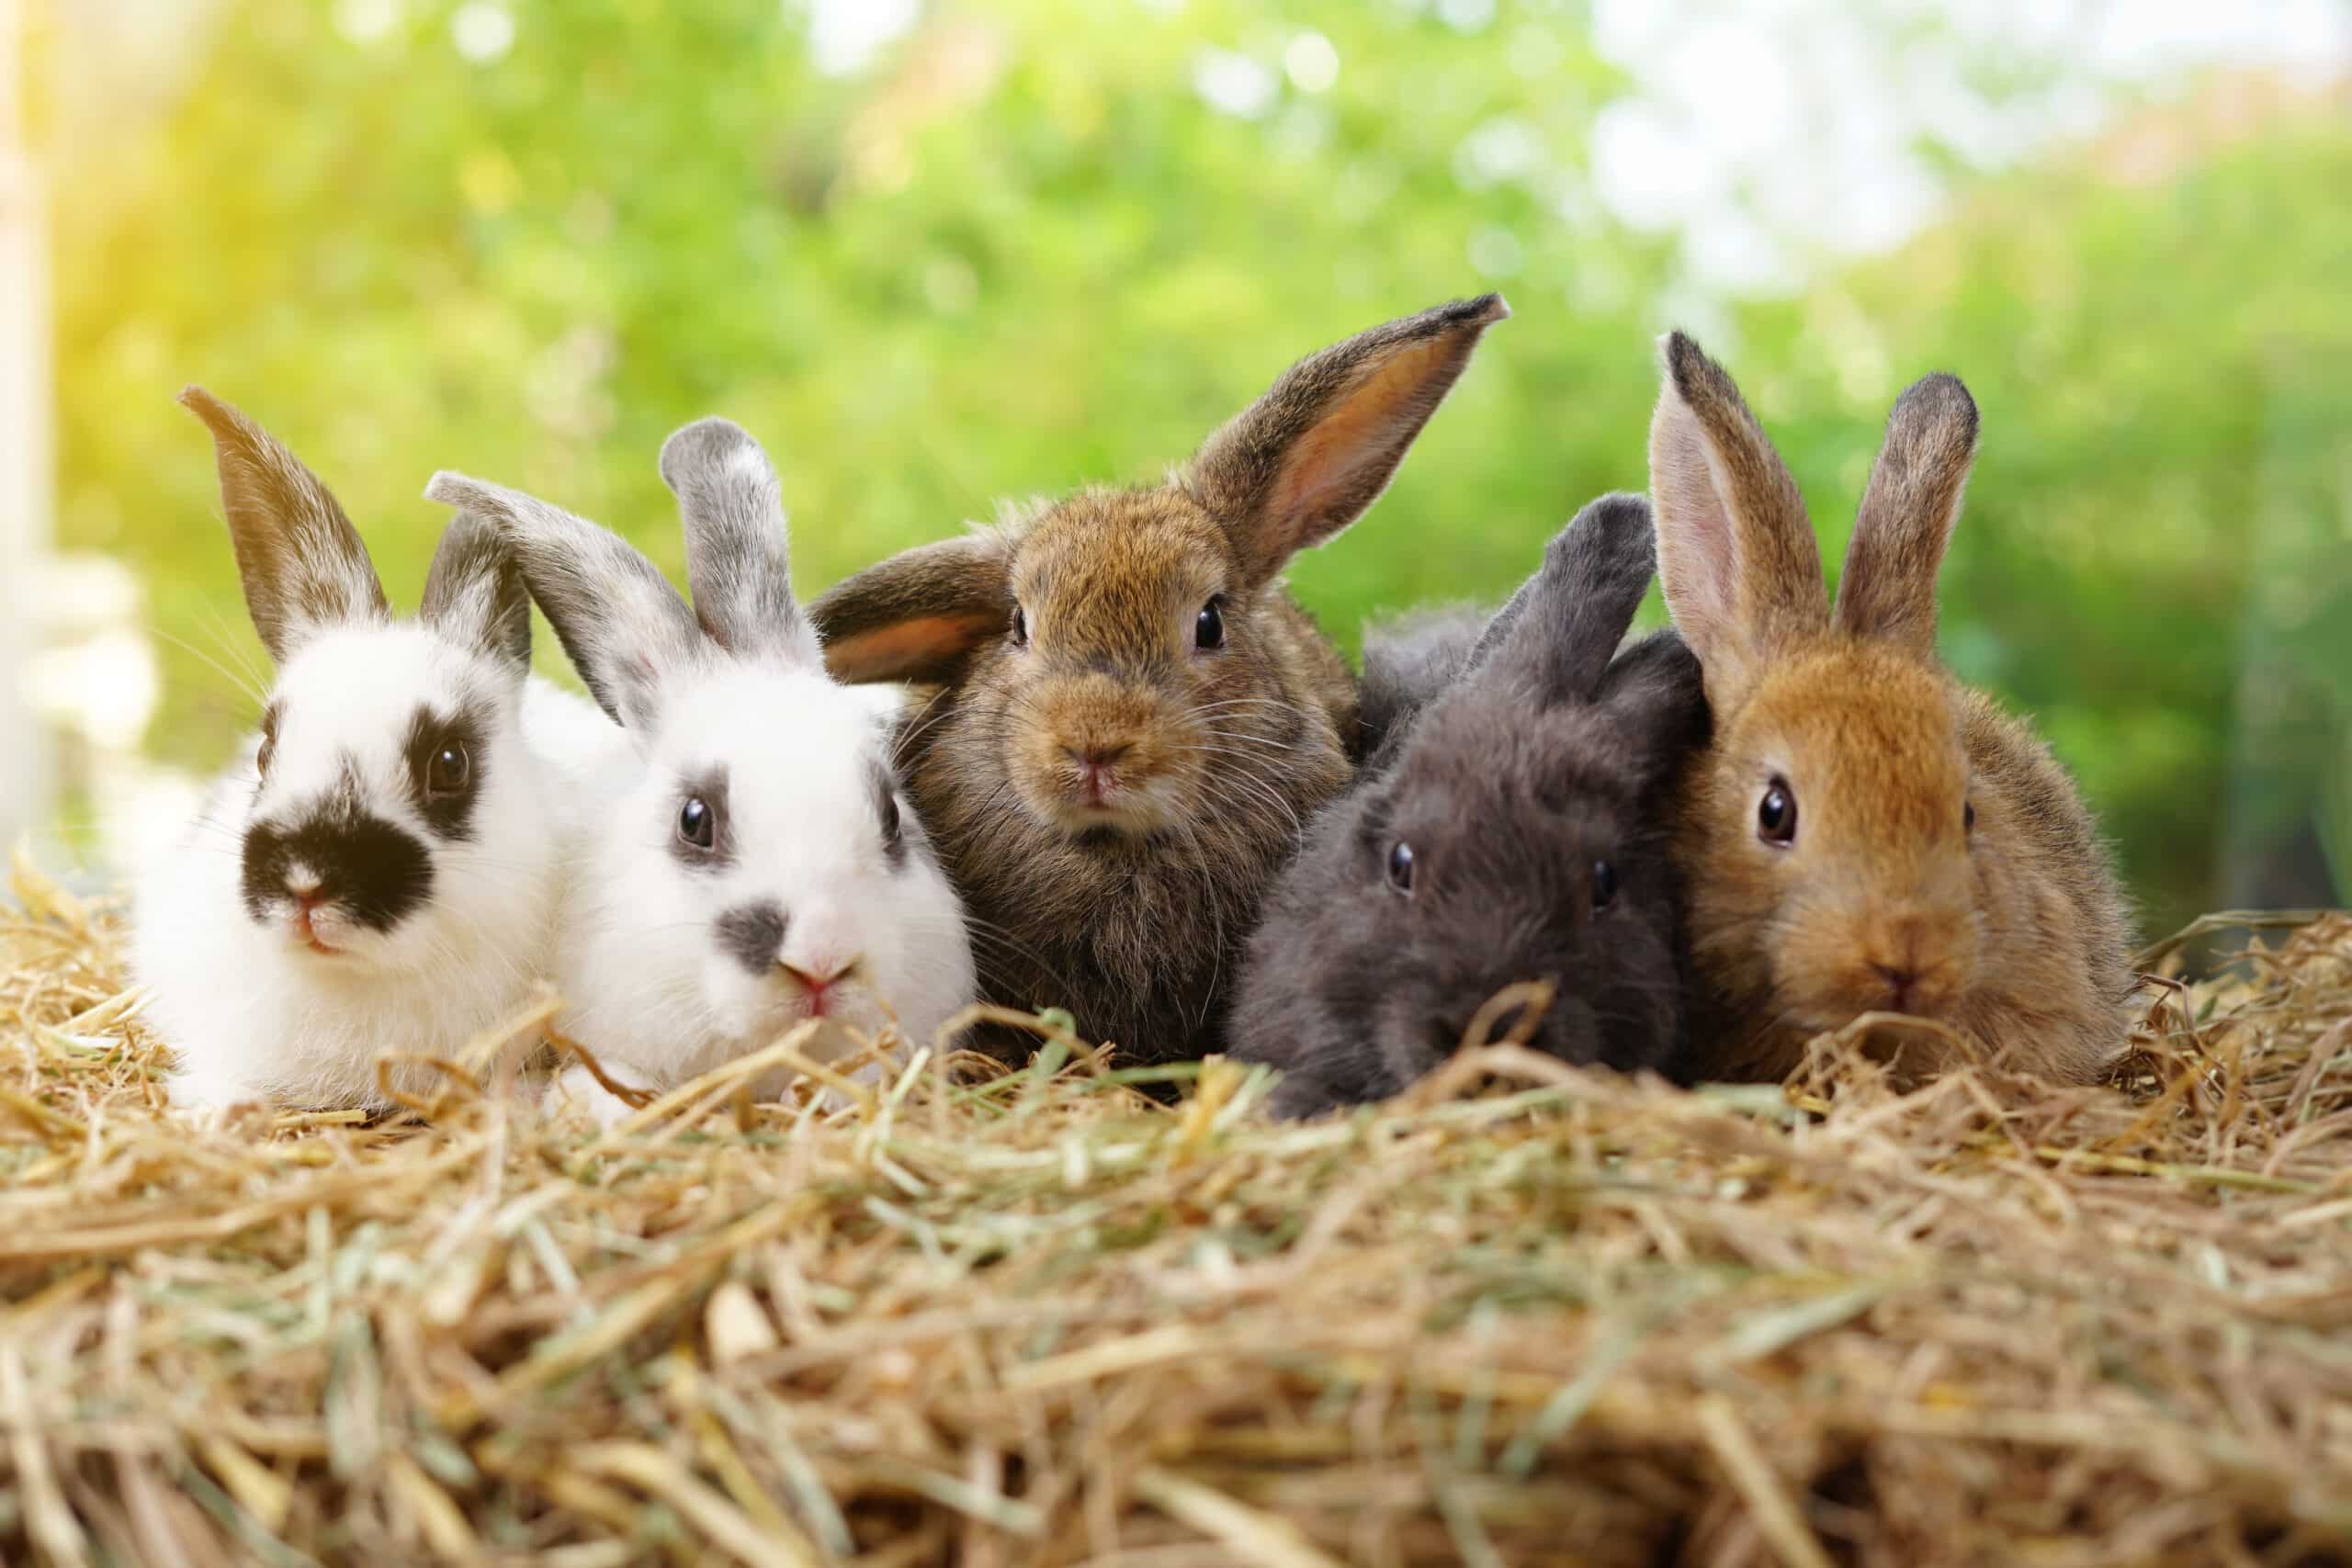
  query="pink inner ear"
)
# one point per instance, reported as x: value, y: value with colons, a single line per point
x: 1334, y: 470
x: 904, y: 646
x: 1698, y: 560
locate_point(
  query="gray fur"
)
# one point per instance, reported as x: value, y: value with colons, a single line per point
x: 1540, y: 758
x: 753, y: 935
x: 474, y: 591
x: 300, y: 559
x: 737, y: 560
x: 1407, y: 663
x: 616, y: 616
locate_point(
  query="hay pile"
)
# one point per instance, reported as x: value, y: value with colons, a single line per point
x: 1043, y: 1319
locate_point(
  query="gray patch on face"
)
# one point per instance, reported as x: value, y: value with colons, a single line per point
x: 888, y: 815
x: 710, y: 788
x: 753, y: 935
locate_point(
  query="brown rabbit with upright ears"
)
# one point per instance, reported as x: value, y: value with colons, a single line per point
x: 1132, y: 716
x: 1865, y: 834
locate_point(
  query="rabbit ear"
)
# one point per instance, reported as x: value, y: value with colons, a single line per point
x: 1559, y: 631
x: 1734, y: 548
x: 737, y: 562
x: 625, y: 628
x: 918, y: 615
x: 1306, y: 460
x: 474, y: 591
x: 1659, y: 691
x: 303, y: 566
x: 1888, y: 588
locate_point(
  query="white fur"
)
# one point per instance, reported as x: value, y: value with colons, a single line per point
x: 664, y: 976
x: 253, y: 1012
x: 652, y: 990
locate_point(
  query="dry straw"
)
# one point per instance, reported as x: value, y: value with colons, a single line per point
x: 1529, y: 1314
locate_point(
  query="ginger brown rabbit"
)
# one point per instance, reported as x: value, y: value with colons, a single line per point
x: 1865, y: 834
x: 1129, y: 716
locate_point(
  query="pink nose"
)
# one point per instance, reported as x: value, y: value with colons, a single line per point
x: 1098, y: 769
x: 819, y: 981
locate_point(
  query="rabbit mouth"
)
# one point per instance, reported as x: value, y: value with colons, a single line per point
x: 1089, y: 805
x: 319, y: 927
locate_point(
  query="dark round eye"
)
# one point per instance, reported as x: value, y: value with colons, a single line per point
x: 1020, y: 628
x: 697, y: 823
x: 1968, y: 817
x: 449, y: 771
x: 1604, y: 884
x: 1776, y: 814
x: 890, y: 824
x: 1400, y: 867
x: 1208, y: 627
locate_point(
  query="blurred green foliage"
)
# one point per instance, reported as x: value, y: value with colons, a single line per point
x: 1025, y: 250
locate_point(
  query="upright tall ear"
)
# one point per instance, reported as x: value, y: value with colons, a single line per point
x: 1559, y: 631
x: 303, y: 566
x: 918, y: 615
x: 625, y: 628
x: 1909, y: 507
x: 474, y: 591
x: 1734, y: 548
x: 737, y: 560
x: 1306, y: 460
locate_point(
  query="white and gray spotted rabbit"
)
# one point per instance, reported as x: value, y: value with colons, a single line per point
x: 751, y: 861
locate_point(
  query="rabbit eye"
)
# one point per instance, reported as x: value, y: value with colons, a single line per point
x: 1400, y: 867
x: 890, y: 824
x: 1020, y: 628
x: 1208, y: 627
x: 697, y: 823
x: 447, y: 772
x: 1604, y: 885
x: 1776, y: 814
x: 1968, y: 817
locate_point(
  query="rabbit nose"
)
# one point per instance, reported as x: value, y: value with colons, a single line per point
x: 817, y: 973
x: 1901, y: 982
x: 1097, y: 764
x: 818, y: 977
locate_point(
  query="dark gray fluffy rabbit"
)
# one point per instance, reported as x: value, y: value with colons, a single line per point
x: 1509, y: 826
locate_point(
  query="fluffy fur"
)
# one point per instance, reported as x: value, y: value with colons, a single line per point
x: 1130, y: 716
x: 1526, y: 787
x: 1941, y: 864
x: 348, y: 891
x: 749, y: 861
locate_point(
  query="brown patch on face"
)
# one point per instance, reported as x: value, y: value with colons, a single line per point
x: 1102, y: 715
x: 1875, y: 896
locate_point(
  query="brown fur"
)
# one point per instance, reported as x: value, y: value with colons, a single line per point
x: 1134, y: 921
x: 2017, y: 934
